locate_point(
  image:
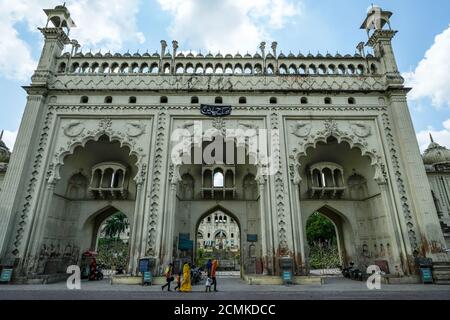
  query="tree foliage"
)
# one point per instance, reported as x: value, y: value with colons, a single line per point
x: 320, y: 229
x: 115, y: 225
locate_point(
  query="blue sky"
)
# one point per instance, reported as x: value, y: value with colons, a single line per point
x: 422, y: 45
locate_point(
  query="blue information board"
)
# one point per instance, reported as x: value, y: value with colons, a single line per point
x: 6, y: 275
x: 143, y: 265
x: 427, y: 275
x: 287, y: 276
x: 147, y: 277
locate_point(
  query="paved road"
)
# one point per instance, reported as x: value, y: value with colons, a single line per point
x: 230, y: 289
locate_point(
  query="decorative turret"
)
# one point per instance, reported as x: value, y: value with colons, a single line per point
x: 5, y: 154
x: 56, y: 33
x: 436, y: 154
x: 381, y: 41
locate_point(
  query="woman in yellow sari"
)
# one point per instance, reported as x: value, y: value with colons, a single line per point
x: 186, y: 283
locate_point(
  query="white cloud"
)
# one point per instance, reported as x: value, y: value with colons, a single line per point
x: 440, y: 136
x: 9, y: 138
x: 227, y: 26
x: 431, y: 79
x: 101, y: 24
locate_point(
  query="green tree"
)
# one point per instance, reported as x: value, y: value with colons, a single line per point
x: 116, y: 225
x: 320, y: 228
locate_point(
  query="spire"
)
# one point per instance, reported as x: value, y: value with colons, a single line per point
x: 431, y: 138
x: 1, y: 135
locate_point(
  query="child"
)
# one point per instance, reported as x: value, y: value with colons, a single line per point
x: 178, y: 280
x: 208, y: 284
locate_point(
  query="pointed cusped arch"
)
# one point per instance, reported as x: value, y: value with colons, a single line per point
x: 53, y: 174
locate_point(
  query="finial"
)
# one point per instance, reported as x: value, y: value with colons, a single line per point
x: 1, y: 135
x: 431, y: 137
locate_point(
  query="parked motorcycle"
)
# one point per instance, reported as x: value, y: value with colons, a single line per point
x: 196, y: 275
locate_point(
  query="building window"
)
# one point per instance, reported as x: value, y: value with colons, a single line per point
x: 351, y: 100
x: 209, y: 235
x: 209, y: 219
x: 273, y: 100
x: 132, y: 100
x: 194, y: 99
x: 163, y: 99
x: 304, y: 100
x: 108, y: 99
x: 242, y: 100
x: 218, y: 100
x: 232, y: 235
x: 218, y: 180
x: 84, y: 99
x: 327, y: 100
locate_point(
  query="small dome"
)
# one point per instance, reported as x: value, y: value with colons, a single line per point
x: 436, y: 154
x: 269, y: 56
x: 369, y: 55
x: 238, y: 56
x: 338, y: 55
x: 180, y: 55
x: 291, y: 55
x: 200, y: 55
x: 190, y: 55
x: 219, y: 55
x: 136, y: 55
x: 209, y: 55
x: 66, y: 55
x: 79, y: 55
x: 319, y: 55
x: 167, y: 55
x: 373, y: 7
x: 348, y: 56
x: 146, y: 54
x: 281, y: 55
x: 247, y: 55
x: 257, y: 56
x: 98, y: 55
x: 329, y: 55
x: 108, y: 55
x: 310, y: 55
x: 117, y: 55
x: 88, y: 55
x: 228, y: 56
x: 300, y: 55
x: 155, y: 55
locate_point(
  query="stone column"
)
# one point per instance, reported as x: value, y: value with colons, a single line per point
x: 297, y: 219
x: 395, y: 229
x: 261, y: 180
x: 136, y: 241
x: 170, y: 218
x: 37, y: 229
x: 19, y: 168
x: 431, y: 240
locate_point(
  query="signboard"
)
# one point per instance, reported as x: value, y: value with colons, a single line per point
x: 427, y: 276
x: 184, y: 244
x: 147, y: 277
x: 287, y: 276
x: 252, y: 238
x: 215, y: 110
x: 144, y: 265
x: 6, y: 275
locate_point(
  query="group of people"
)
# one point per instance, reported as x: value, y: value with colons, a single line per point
x: 183, y: 280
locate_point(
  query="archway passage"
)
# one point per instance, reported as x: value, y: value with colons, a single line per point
x: 324, y: 254
x: 219, y: 237
x: 112, y: 243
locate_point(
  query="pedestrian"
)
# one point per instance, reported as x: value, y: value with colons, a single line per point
x: 214, y: 266
x: 208, y: 267
x: 208, y: 284
x: 169, y: 278
x: 178, y: 281
x: 186, y: 282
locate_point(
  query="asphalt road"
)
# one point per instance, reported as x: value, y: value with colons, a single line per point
x: 230, y: 289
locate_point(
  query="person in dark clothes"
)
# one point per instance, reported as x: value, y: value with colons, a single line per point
x: 169, y: 278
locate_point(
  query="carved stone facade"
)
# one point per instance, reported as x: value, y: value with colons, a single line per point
x: 345, y: 116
